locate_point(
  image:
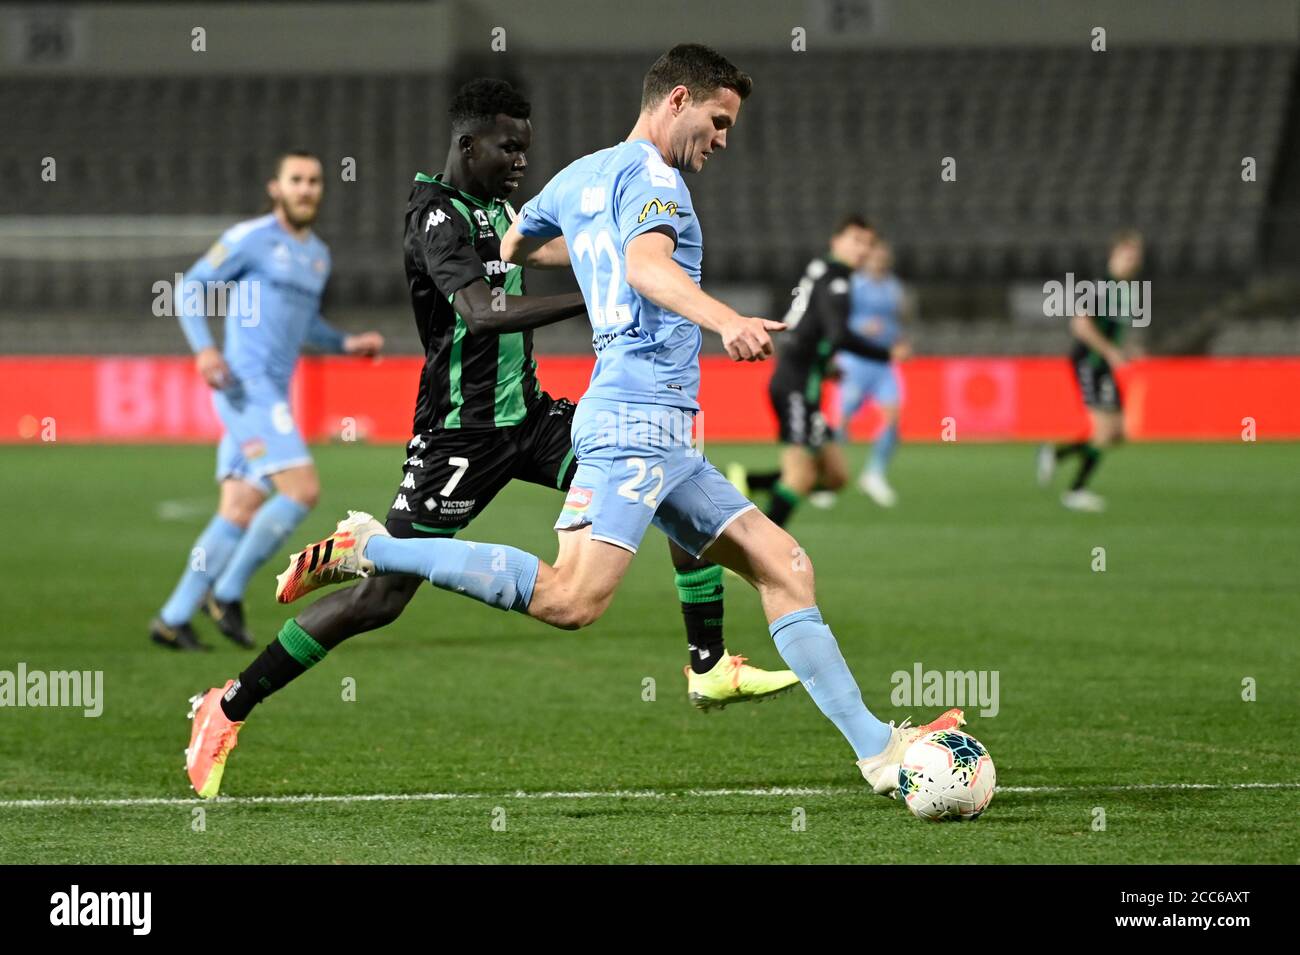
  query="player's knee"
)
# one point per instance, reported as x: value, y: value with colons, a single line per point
x: 239, y: 512
x: 306, y: 493
x: 787, y: 568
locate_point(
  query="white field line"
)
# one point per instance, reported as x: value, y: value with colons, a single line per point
x: 78, y: 802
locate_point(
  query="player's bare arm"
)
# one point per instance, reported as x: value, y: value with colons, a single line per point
x: 1082, y: 327
x: 652, y: 272
x: 486, y: 313
x: 534, y: 252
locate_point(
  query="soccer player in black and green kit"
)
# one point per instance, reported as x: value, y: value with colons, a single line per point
x: 481, y: 421
x: 1095, y: 357
x: 817, y: 326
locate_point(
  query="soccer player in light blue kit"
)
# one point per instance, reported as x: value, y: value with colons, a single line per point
x: 270, y: 272
x: 877, y: 307
x: 624, y: 218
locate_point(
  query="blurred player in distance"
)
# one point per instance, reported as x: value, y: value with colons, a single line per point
x: 1096, y: 356
x: 278, y: 268
x: 880, y: 308
x: 635, y: 244
x: 818, y: 327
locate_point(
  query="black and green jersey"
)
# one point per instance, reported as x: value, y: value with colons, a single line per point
x: 468, y: 381
x: 1111, y: 315
x: 817, y: 325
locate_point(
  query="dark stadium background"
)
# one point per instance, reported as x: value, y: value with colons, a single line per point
x: 1056, y: 145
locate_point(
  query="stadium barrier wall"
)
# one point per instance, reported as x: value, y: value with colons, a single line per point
x: 161, y: 399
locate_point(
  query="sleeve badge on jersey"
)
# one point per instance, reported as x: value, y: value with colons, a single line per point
x: 216, y: 255
x: 657, y: 207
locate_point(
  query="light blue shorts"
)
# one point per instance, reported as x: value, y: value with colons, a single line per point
x: 863, y: 380
x: 637, y: 466
x: 260, y: 437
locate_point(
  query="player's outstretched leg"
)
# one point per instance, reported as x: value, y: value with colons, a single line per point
x: 714, y: 677
x: 572, y: 593
x: 301, y: 644
x: 782, y: 573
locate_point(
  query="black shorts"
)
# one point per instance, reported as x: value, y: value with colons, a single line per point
x: 1097, y: 384
x: 451, y: 476
x: 801, y: 421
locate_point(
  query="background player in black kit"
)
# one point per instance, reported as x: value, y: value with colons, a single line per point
x: 1097, y: 352
x: 817, y: 327
x: 481, y: 418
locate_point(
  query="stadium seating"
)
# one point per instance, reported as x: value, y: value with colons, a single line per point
x: 1054, y: 149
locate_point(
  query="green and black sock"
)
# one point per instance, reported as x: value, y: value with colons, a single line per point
x: 1091, y: 458
x: 700, y: 592
x: 292, y: 653
x: 783, y: 504
x: 1063, y: 451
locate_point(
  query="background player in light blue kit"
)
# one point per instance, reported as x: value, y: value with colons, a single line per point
x: 878, y: 308
x: 635, y: 245
x: 271, y: 271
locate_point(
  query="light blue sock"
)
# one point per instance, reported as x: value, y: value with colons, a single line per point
x: 208, y: 558
x: 496, y: 574
x: 809, y: 649
x: 269, y: 529
x: 883, y: 449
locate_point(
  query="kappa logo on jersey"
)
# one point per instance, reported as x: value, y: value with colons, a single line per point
x: 415, y: 462
x: 484, y: 224
x: 401, y: 504
x: 657, y: 207
x: 418, y: 443
x: 437, y: 217
x: 839, y: 287
x: 497, y: 267
x: 409, y: 480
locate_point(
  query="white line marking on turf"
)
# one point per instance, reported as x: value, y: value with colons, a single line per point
x: 78, y: 802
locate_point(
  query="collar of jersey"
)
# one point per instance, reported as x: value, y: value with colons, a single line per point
x: 439, y: 181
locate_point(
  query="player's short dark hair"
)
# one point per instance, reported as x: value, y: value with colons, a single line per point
x: 699, y: 68
x: 853, y: 221
x: 293, y: 154
x: 478, y: 102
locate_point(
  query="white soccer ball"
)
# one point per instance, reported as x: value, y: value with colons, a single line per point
x: 946, y: 775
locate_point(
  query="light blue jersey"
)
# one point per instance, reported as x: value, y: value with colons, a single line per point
x: 272, y: 294
x: 875, y: 306
x: 645, y: 353
x: 269, y: 284
x: 875, y: 313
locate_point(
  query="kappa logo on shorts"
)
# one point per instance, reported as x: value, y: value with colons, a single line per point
x: 252, y: 450
x: 579, y: 499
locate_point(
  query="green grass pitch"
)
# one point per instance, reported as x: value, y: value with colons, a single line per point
x: 1114, y: 686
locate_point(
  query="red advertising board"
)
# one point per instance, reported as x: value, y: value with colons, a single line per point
x: 152, y: 399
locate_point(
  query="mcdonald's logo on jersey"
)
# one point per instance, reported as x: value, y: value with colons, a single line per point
x: 656, y: 206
